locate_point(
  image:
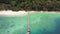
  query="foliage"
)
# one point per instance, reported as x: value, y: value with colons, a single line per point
x: 45, y: 5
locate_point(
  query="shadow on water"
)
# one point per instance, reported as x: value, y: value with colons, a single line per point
x: 57, y: 21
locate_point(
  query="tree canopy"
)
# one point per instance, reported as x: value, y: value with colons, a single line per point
x: 38, y: 5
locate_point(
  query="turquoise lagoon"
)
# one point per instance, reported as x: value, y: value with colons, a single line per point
x: 13, y: 24
x: 45, y: 23
x: 40, y: 23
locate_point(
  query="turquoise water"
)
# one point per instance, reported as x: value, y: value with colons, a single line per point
x: 13, y: 24
x: 40, y: 23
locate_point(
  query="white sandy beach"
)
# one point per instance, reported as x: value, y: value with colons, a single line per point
x: 14, y: 13
x: 20, y: 13
x: 11, y: 13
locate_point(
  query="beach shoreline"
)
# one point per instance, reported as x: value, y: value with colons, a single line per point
x: 11, y: 13
x: 22, y: 13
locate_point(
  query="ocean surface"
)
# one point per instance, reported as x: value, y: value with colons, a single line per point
x: 40, y: 23
x: 13, y: 24
x: 45, y: 23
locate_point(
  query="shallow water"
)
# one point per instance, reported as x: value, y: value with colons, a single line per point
x: 40, y: 23
x: 13, y: 25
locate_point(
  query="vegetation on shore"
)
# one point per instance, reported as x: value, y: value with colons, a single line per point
x: 37, y: 5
